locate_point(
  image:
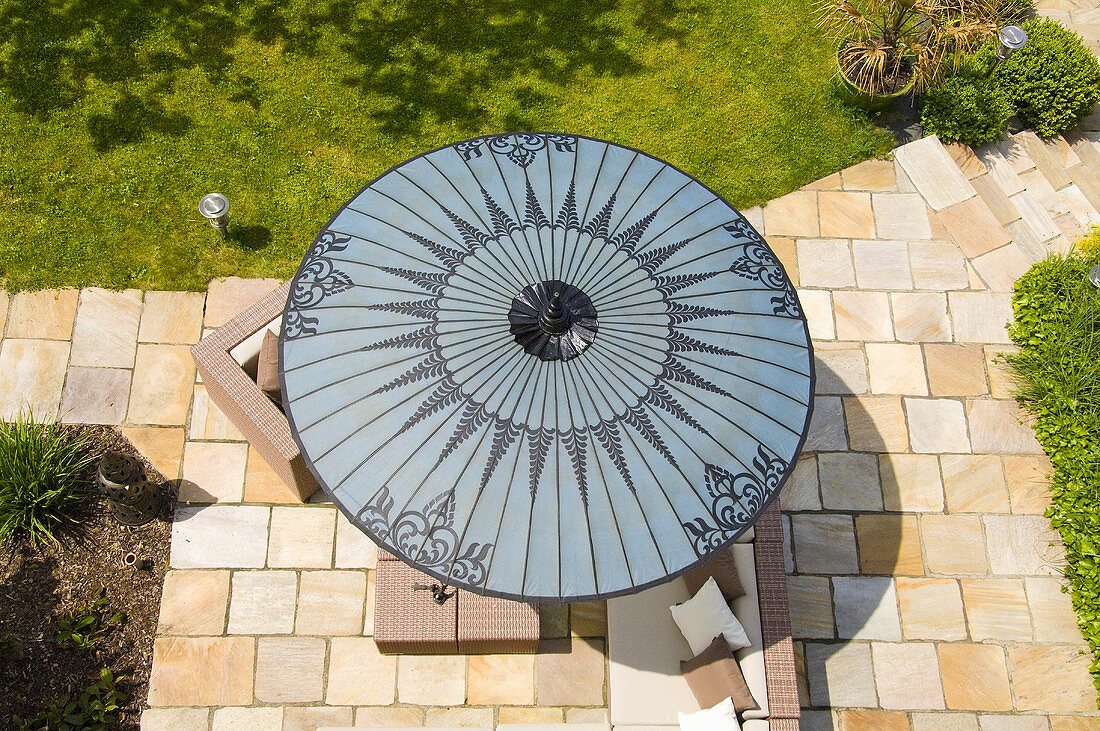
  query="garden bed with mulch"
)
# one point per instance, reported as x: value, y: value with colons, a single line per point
x: 41, y: 587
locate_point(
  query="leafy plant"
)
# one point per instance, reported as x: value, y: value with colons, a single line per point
x: 965, y: 108
x: 41, y: 468
x: 1053, y: 81
x: 882, y: 41
x: 1057, y: 326
x: 95, y: 709
x: 85, y: 625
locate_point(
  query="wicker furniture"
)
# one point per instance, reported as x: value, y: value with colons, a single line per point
x: 226, y: 360
x: 407, y: 620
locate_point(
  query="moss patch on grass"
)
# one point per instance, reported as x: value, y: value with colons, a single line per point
x: 1057, y: 326
x: 119, y: 115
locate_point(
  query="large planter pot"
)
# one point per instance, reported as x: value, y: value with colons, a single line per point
x: 858, y: 97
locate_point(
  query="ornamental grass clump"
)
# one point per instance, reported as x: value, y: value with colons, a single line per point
x: 1057, y: 328
x: 42, y: 472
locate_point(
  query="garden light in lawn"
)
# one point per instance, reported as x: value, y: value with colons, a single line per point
x: 215, y: 208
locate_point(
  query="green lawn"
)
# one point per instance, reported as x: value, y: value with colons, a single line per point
x: 117, y: 115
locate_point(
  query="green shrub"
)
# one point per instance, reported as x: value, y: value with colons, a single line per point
x: 1053, y: 81
x: 95, y: 709
x: 41, y: 469
x: 1057, y: 326
x: 965, y: 108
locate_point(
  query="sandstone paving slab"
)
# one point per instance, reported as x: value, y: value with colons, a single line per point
x: 970, y: 164
x: 866, y: 608
x: 431, y: 680
x: 901, y: 216
x: 302, y: 537
x: 937, y: 266
x: 1002, y: 383
x: 995, y: 197
x: 208, y: 421
x: 530, y: 715
x: 794, y: 214
x: 876, y: 423
x: 47, y: 313
x: 995, y: 722
x: 173, y: 318
x: 996, y: 609
x: 1028, y: 482
x: 889, y: 544
x: 575, y: 678
x: 897, y: 369
x: 1051, y: 159
x: 1028, y: 241
x: 32, y: 375
x: 459, y: 717
x: 882, y: 264
x: 263, y: 485
x: 1073, y: 723
x: 175, y: 719
x: 907, y: 675
x: 395, y: 716
x: 954, y: 544
x: 996, y: 427
x: 330, y: 603
x: 911, y: 483
x: 786, y: 252
x: 980, y: 317
x: 975, y: 677
x: 1051, y: 678
x: 930, y: 608
x: 95, y: 396
x: 934, y: 173
x: 811, y: 607
x: 870, y: 175
x: 825, y: 263
x: 290, y: 669
x: 263, y: 602
x: 1054, y: 618
x: 841, y: 368
x: 164, y: 377
x: 1023, y: 544
x: 194, y: 602
x: 311, y: 718
x: 974, y: 484
x: 1000, y: 268
x: 213, y: 472
x: 840, y: 674
x: 944, y: 721
x: 866, y: 719
x: 824, y: 544
x: 973, y: 227
x: 368, y: 608
x: 863, y: 316
x: 226, y: 298
x: 353, y: 549
x: 826, y: 432
x: 829, y: 182
x: 955, y: 370
x: 247, y: 719
x: 162, y: 446
x: 202, y: 671
x: 802, y: 491
x: 846, y: 214
x: 198, y: 536
x: 359, y: 675
x: 586, y: 715
x: 106, y: 330
x: 497, y: 680
x: 921, y: 317
x: 1035, y: 215
x: 5, y: 301
x: 849, y: 481
x: 817, y: 305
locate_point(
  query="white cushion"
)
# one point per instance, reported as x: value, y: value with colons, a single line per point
x: 719, y: 718
x: 754, y: 725
x: 707, y: 615
x: 645, y: 649
x: 247, y: 352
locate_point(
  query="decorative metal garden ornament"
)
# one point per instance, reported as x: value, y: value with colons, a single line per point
x: 214, y: 207
x: 546, y: 367
x: 132, y: 499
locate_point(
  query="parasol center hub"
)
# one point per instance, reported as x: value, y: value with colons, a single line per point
x: 553, y: 320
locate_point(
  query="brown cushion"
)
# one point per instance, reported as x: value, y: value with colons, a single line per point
x: 714, y: 675
x: 267, y: 368
x: 724, y: 571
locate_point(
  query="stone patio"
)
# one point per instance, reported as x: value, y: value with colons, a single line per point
x: 924, y: 582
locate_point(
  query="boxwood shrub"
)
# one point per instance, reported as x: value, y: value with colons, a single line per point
x: 966, y: 108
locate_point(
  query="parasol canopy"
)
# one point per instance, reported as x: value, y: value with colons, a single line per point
x: 546, y: 367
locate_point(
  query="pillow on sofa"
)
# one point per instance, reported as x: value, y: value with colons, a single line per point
x: 267, y: 368
x: 714, y: 675
x: 721, y: 717
x: 724, y: 571
x: 707, y: 615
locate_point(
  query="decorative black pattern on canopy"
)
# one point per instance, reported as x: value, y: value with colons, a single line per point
x: 546, y: 367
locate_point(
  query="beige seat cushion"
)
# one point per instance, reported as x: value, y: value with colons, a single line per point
x: 645, y: 649
x: 247, y: 352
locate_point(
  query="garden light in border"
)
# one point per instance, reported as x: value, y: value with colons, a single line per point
x: 1094, y: 275
x: 214, y: 207
x: 1010, y: 39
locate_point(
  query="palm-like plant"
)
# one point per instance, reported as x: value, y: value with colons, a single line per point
x: 886, y: 43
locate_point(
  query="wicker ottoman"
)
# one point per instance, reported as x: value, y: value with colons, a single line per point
x: 490, y: 625
x: 407, y: 621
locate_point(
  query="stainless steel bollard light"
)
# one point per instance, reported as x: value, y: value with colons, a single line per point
x: 1010, y: 39
x: 1094, y: 275
x: 215, y: 208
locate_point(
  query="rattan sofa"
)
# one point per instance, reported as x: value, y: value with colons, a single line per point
x: 226, y: 359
